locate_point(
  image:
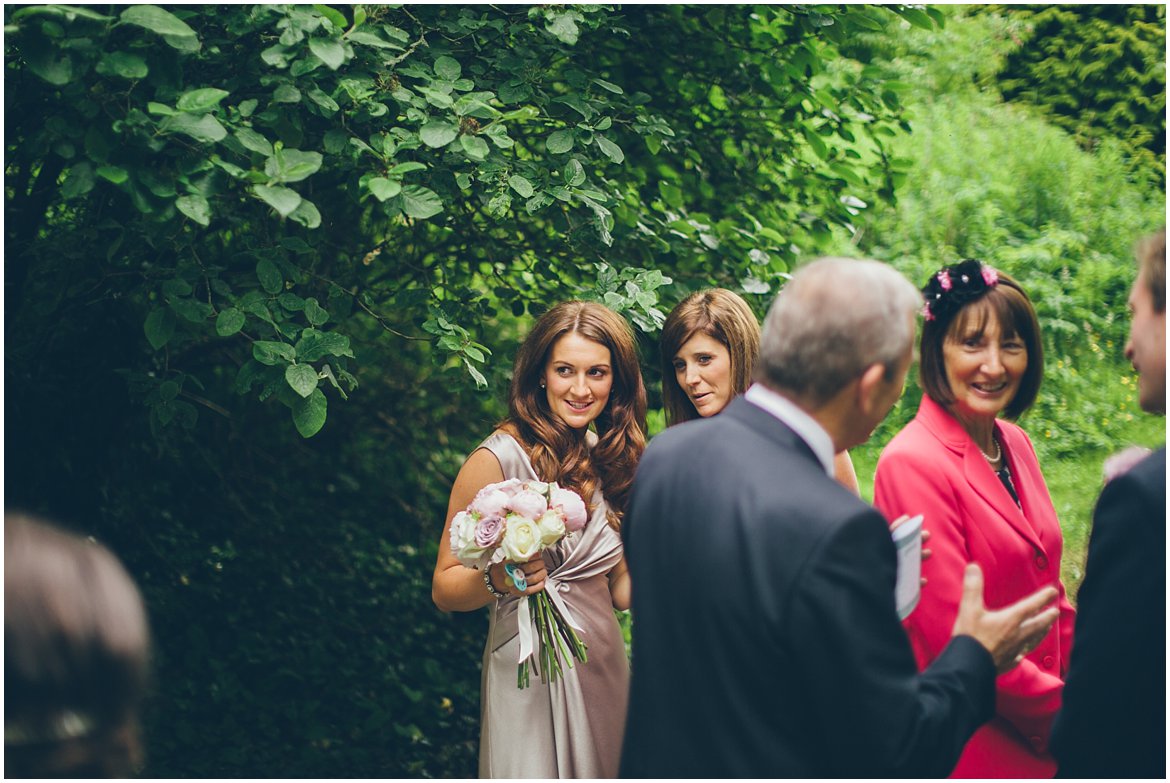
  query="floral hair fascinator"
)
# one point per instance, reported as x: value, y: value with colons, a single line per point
x: 955, y: 286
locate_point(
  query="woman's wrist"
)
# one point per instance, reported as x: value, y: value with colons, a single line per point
x: 491, y: 588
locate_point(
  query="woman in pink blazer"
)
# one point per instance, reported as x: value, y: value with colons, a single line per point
x: 975, y: 479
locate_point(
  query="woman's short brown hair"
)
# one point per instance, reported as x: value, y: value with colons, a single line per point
x: 722, y: 315
x: 1008, y: 304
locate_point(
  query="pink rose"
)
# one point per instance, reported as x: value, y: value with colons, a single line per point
x: 490, y: 502
x: 488, y: 531
x: 571, y: 505
x: 990, y: 276
x: 509, y: 487
x: 944, y: 280
x: 528, y: 504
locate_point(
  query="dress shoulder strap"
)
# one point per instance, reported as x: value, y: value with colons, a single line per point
x: 513, y: 459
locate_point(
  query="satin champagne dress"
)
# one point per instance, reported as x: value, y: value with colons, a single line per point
x: 571, y: 728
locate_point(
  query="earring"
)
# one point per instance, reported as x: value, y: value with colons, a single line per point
x: 542, y: 384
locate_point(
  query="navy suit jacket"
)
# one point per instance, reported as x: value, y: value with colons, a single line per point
x: 765, y: 637
x: 1113, y: 722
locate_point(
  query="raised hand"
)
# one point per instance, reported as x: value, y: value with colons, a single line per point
x: 1009, y: 633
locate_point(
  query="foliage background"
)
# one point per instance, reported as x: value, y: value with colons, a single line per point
x: 266, y: 267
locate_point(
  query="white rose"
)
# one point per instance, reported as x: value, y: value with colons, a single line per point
x: 521, y: 539
x: 463, y: 544
x: 552, y: 527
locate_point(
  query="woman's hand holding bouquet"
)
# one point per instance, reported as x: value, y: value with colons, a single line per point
x: 512, y: 522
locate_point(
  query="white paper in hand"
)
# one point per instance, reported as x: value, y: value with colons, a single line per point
x: 908, y: 541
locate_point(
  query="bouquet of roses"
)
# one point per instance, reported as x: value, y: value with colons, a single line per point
x: 511, y: 522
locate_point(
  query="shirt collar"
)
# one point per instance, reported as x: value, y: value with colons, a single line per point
x: 800, y: 422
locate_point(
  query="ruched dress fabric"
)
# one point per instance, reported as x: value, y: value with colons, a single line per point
x: 571, y: 728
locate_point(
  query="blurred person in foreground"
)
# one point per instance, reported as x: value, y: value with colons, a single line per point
x: 1113, y: 723
x: 766, y: 641
x: 75, y: 656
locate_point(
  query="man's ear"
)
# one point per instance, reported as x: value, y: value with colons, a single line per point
x: 869, y: 388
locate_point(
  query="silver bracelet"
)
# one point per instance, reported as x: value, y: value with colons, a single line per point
x: 487, y: 580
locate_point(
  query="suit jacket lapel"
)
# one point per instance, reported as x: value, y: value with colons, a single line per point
x: 976, y: 471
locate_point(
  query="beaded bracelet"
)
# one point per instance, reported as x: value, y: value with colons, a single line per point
x: 487, y: 580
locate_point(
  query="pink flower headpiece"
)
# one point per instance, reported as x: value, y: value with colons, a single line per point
x: 953, y: 287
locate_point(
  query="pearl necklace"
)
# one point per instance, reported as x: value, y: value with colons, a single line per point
x: 998, y: 452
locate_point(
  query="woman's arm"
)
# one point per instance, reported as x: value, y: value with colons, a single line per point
x: 454, y: 586
x: 845, y: 474
x: 619, y: 585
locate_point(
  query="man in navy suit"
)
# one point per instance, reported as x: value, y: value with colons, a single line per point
x: 766, y: 642
x: 1113, y: 720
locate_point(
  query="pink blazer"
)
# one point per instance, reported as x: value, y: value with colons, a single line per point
x: 932, y: 467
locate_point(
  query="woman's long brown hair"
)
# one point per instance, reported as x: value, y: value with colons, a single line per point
x: 557, y: 451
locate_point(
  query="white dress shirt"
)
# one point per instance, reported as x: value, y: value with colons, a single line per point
x: 800, y: 422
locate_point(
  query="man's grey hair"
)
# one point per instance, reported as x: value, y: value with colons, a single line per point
x: 835, y: 318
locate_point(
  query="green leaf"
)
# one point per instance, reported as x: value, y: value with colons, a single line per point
x: 915, y: 17
x: 560, y: 141
x: 332, y: 14
x: 283, y: 200
x: 330, y: 51
x: 609, y: 86
x: 476, y: 375
x: 475, y: 147
x: 563, y: 26
x: 315, y: 345
x: 268, y: 273
x: 115, y: 174
x: 406, y: 168
x: 611, y: 150
x: 254, y: 141
x: 367, y: 38
x: 123, y: 64
x: 202, y: 100
x: 286, y: 93
x: 322, y: 99
x: 160, y: 109
x: 157, y: 20
x: 273, y: 352
x: 307, y: 214
x: 316, y: 314
x: 309, y: 414
x: 521, y: 185
x: 383, y: 188
x: 574, y: 173
x: 159, y: 327
x: 438, y: 134
x: 205, y: 128
x: 292, y: 165
x: 302, y: 378
x: 195, y: 207
x: 228, y: 322
x: 421, y: 203
x: 79, y: 181
x: 448, y: 68
x: 816, y: 142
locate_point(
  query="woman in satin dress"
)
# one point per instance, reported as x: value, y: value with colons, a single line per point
x: 576, y: 415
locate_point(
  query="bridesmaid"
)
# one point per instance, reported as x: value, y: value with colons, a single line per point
x: 576, y: 413
x: 709, y: 345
